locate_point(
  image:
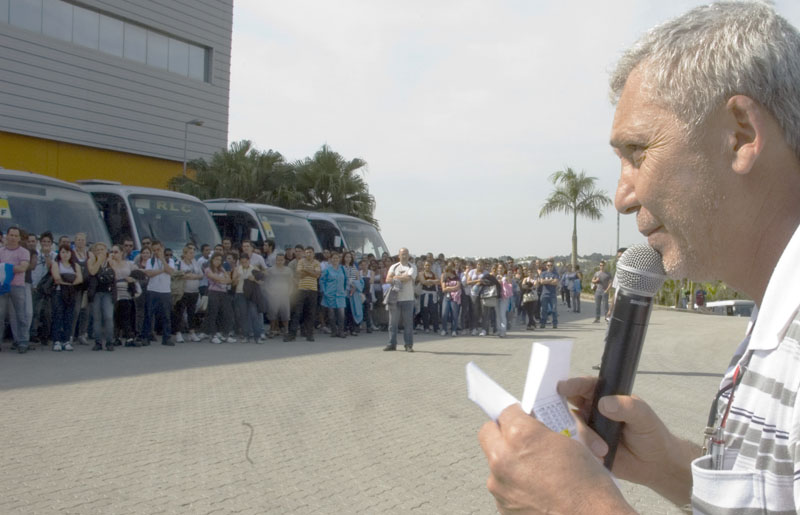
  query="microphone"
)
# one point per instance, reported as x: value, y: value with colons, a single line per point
x: 640, y: 274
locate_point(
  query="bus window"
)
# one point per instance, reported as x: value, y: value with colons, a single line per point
x: 115, y: 214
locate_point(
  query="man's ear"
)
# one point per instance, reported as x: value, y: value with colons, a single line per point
x: 748, y: 125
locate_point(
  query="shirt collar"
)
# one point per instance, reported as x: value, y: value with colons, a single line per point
x: 781, y: 300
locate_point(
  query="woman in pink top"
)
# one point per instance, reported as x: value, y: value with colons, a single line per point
x: 507, y: 290
x: 451, y: 304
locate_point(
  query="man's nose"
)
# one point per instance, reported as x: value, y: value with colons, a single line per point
x: 625, y: 200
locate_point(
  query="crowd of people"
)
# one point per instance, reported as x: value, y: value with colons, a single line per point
x: 67, y: 292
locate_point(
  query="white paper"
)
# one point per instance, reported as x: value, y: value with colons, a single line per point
x: 483, y: 391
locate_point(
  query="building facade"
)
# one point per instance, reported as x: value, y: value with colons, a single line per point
x: 113, y: 89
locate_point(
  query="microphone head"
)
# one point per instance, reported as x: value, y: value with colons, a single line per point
x: 640, y: 270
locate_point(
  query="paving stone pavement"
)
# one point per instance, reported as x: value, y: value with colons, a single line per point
x: 334, y: 426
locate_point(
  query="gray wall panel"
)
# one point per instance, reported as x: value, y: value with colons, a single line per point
x: 57, y: 90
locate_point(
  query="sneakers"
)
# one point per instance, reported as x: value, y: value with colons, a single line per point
x: 216, y: 339
x: 97, y: 346
x: 261, y: 339
x: 482, y: 333
x: 57, y: 347
x: 390, y: 347
x: 596, y: 320
x: 67, y: 346
x: 81, y: 340
x: 474, y: 332
x: 193, y: 337
x: 454, y: 334
x: 442, y: 333
x: 179, y: 337
x: 231, y: 339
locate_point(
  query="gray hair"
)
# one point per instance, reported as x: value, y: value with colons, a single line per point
x: 695, y: 62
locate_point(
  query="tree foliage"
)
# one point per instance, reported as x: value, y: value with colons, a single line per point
x: 325, y: 182
x: 575, y: 194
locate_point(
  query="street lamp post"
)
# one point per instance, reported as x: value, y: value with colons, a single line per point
x: 186, y: 125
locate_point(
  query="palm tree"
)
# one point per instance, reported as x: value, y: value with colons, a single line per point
x: 328, y: 182
x: 242, y: 171
x: 576, y: 194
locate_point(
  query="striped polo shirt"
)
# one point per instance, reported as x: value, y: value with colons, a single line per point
x: 307, y: 282
x: 761, y: 472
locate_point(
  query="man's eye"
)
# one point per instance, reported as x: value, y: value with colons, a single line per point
x: 637, y: 153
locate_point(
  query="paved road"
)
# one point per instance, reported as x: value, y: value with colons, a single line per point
x: 330, y: 427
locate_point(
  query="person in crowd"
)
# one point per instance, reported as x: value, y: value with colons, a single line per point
x: 67, y: 275
x: 219, y: 315
x: 612, y: 293
x: 227, y: 245
x: 124, y: 310
x: 247, y: 286
x: 549, y: 281
x: 473, y: 285
x: 268, y: 253
x: 140, y: 301
x: 279, y: 286
x: 16, y: 259
x: 601, y: 281
x: 429, y: 301
x: 402, y: 277
x: 564, y: 285
x: 202, y: 260
x: 488, y: 296
x: 368, y: 295
x: 451, y: 304
x: 377, y: 316
x: 128, y: 251
x: 256, y: 261
x: 183, y: 312
x: 577, y: 278
x: 42, y: 281
x: 353, y: 314
x: 102, y: 280
x: 504, y: 278
x: 80, y: 319
x: 333, y: 283
x: 307, y: 272
x: 158, y: 295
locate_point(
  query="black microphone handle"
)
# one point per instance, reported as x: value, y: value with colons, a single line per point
x: 624, y: 340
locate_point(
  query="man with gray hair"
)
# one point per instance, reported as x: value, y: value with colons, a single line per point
x: 402, y: 276
x: 707, y: 129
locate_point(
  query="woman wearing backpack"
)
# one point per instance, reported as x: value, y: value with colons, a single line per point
x: 102, y: 280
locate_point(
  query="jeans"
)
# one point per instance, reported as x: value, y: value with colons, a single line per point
x: 600, y: 297
x: 576, y: 301
x: 502, y: 316
x: 187, y: 304
x: 402, y: 310
x: 42, y: 317
x: 549, y: 306
x: 63, y: 313
x: 159, y: 305
x: 429, y: 309
x: 336, y: 320
x: 103, y: 316
x: 219, y: 310
x: 125, y: 319
x: 450, y: 311
x: 16, y: 299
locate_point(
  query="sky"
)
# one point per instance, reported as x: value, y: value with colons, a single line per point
x: 462, y: 109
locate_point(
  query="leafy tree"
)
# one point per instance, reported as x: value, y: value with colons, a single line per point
x: 326, y: 182
x: 329, y: 182
x: 244, y: 172
x: 575, y: 194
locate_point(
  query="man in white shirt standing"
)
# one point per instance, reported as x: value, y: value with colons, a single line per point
x: 158, y: 297
x: 401, y: 276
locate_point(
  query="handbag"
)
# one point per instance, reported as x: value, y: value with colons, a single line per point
x: 528, y: 297
x: 46, y: 285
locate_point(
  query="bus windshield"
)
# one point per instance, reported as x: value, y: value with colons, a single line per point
x: 287, y: 230
x: 173, y: 221
x: 363, y: 238
x: 37, y: 208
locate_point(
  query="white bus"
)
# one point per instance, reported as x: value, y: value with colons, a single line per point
x: 336, y: 231
x: 38, y: 203
x: 137, y: 212
x: 239, y: 220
